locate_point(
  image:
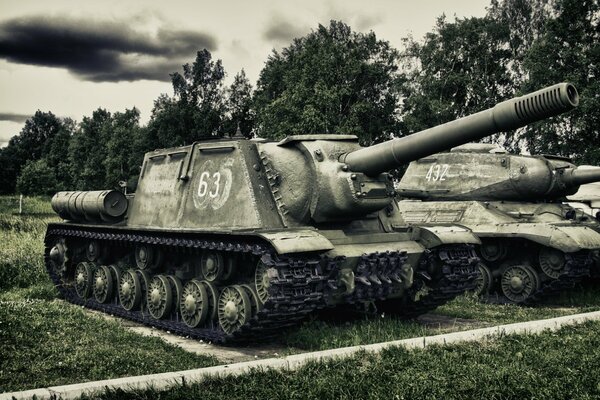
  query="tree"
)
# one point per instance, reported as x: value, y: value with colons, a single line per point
x: 37, y: 177
x: 57, y: 157
x: 333, y: 80
x: 240, y: 112
x: 33, y: 142
x: 121, y: 131
x: 459, y: 69
x: 196, y: 109
x: 87, y: 151
x: 568, y: 50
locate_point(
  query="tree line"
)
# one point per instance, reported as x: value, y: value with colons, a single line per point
x: 335, y: 80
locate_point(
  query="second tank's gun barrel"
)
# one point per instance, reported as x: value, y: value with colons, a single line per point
x: 507, y: 115
x: 581, y: 176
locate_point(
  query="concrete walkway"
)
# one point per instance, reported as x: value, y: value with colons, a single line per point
x: 166, y: 380
x: 230, y: 355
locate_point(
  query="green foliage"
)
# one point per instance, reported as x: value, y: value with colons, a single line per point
x: 551, y: 365
x: 37, y: 178
x: 520, y: 46
x: 197, y: 108
x: 568, y: 49
x: 122, y: 132
x: 47, y: 343
x: 35, y: 141
x: 87, y: 151
x: 333, y: 80
x: 460, y: 68
x: 35, y: 205
x: 240, y: 112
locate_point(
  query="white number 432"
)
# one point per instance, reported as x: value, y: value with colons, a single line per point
x: 437, y: 172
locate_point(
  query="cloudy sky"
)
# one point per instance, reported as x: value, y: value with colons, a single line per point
x: 71, y: 57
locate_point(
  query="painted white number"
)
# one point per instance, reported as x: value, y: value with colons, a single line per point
x: 203, y: 184
x: 437, y: 172
x: 217, y: 179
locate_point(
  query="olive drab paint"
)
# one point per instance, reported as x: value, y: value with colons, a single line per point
x: 533, y: 244
x: 232, y: 238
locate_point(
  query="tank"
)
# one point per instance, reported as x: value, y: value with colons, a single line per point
x: 533, y: 244
x: 234, y: 239
x: 587, y: 198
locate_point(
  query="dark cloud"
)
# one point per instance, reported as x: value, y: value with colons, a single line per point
x: 14, y: 117
x: 282, y: 31
x: 99, y: 51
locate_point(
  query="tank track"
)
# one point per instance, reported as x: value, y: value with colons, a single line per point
x: 294, y: 292
x: 458, y: 274
x: 577, y: 267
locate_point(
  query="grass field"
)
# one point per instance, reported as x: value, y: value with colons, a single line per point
x: 47, y: 341
x: 562, y: 364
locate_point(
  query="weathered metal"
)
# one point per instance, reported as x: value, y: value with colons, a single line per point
x: 513, y: 203
x: 248, y: 236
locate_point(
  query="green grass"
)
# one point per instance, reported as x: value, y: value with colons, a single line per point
x: 44, y: 341
x: 22, y: 251
x: 551, y: 365
x: 34, y: 205
x: 319, y: 334
x: 48, y: 343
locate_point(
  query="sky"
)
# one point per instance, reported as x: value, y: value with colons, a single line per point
x: 71, y: 57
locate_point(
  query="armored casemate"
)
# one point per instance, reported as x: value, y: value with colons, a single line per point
x: 533, y: 245
x: 235, y: 239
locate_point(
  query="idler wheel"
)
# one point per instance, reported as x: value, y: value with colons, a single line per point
x: 194, y: 303
x: 235, y: 308
x: 262, y: 281
x: 130, y: 290
x: 212, y: 266
x: 483, y: 283
x: 552, y: 262
x: 58, y: 258
x: 519, y: 282
x: 92, y: 250
x: 493, y: 251
x: 148, y: 257
x: 159, y: 297
x: 84, y: 279
x: 103, y: 284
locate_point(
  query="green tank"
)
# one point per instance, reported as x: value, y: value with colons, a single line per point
x: 234, y: 239
x: 533, y: 245
x: 587, y: 198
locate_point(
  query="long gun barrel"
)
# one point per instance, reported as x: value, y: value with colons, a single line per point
x: 580, y: 176
x: 507, y: 115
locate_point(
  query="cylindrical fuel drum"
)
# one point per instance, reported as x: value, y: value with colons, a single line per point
x: 100, y: 205
x: 60, y: 204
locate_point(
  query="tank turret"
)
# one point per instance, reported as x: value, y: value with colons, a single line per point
x: 489, y: 174
x: 234, y: 238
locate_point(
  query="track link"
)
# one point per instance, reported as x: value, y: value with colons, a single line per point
x: 295, y: 289
x: 458, y: 274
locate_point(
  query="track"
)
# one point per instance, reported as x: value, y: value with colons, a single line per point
x: 297, y: 285
x: 295, y: 290
x: 458, y: 274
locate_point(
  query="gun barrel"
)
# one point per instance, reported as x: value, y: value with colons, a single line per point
x: 580, y: 176
x: 507, y: 115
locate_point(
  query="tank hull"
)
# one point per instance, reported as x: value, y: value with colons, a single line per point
x: 526, y: 243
